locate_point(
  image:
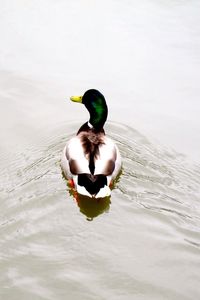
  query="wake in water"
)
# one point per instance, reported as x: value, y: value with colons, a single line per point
x: 157, y: 179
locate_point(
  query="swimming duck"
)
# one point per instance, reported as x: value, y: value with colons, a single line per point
x: 91, y: 160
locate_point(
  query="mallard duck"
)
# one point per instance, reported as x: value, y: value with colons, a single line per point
x: 91, y: 160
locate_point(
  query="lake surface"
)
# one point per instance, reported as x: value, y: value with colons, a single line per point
x: 143, y: 242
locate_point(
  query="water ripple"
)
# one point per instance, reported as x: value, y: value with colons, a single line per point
x: 155, y: 200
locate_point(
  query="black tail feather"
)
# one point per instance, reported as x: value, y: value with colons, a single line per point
x: 92, y: 183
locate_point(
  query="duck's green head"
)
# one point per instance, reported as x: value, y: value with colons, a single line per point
x: 95, y: 103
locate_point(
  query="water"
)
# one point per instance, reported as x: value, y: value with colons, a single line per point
x: 144, y: 242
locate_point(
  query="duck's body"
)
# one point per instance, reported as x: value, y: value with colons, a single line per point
x: 91, y: 159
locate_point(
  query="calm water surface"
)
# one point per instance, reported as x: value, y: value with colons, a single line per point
x: 143, y: 242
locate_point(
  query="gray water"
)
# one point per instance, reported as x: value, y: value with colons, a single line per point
x: 143, y: 242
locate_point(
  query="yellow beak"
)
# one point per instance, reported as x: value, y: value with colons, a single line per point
x: 76, y: 98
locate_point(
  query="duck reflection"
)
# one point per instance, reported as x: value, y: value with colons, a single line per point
x: 92, y: 207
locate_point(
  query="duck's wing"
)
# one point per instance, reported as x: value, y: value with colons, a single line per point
x: 74, y: 155
x: 108, y: 161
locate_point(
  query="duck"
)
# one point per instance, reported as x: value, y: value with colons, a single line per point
x: 91, y: 160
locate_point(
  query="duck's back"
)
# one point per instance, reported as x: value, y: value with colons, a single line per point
x: 87, y: 155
